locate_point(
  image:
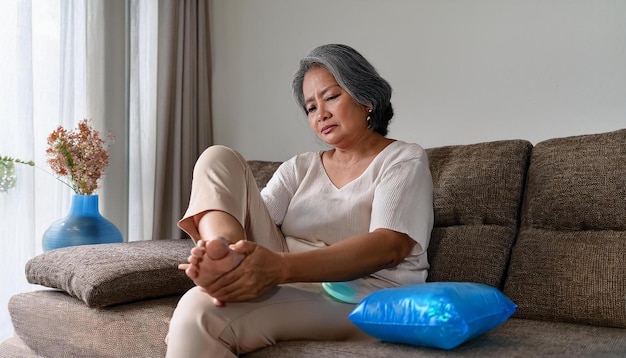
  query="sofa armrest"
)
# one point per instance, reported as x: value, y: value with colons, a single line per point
x: 108, y: 274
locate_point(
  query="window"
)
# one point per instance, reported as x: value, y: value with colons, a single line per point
x: 56, y: 69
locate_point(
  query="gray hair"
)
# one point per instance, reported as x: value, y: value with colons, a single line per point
x: 355, y: 75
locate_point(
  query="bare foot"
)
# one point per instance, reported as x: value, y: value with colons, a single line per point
x: 217, y: 260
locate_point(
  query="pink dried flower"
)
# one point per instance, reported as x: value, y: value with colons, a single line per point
x: 81, y: 154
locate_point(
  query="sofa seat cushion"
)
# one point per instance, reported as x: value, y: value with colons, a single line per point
x: 514, y: 338
x: 54, y: 324
x: 51, y: 323
x: 477, y: 198
x: 14, y: 347
x: 126, y: 272
x: 569, y: 262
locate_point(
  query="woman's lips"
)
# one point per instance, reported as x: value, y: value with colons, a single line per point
x: 327, y: 129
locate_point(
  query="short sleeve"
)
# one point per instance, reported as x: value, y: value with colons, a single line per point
x: 403, y: 200
x: 279, y: 191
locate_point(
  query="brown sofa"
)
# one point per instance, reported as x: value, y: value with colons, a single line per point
x: 546, y: 224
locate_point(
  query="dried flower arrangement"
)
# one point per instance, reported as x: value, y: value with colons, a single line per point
x: 82, y: 155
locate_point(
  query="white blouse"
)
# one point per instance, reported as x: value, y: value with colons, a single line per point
x: 395, y: 192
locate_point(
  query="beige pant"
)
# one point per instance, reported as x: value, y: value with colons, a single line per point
x: 222, y: 181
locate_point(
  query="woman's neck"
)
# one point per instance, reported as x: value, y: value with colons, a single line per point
x: 365, y: 150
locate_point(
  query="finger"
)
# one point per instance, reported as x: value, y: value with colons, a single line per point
x: 221, y: 285
x: 236, y: 296
x: 183, y: 267
x: 243, y: 247
x: 231, y: 289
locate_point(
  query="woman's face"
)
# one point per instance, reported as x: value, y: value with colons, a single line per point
x: 333, y: 114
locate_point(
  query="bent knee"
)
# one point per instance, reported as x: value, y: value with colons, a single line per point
x: 220, y: 156
x: 195, y: 327
x: 194, y: 311
x: 220, y: 153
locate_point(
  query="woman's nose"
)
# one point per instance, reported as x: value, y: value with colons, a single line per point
x: 322, y: 113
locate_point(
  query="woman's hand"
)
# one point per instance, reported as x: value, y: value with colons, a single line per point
x: 263, y: 269
x: 260, y: 270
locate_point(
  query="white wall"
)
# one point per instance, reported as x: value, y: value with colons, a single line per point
x: 462, y: 71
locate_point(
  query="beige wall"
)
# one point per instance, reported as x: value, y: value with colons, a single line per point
x: 462, y: 71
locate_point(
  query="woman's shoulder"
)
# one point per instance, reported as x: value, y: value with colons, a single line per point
x: 305, y: 159
x: 300, y: 162
x: 402, y: 151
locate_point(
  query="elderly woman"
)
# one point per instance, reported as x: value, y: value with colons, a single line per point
x: 291, y: 261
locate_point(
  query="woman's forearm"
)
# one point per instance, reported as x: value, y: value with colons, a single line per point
x: 351, y: 258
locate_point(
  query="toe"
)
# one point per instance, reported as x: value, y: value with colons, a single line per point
x: 217, y: 249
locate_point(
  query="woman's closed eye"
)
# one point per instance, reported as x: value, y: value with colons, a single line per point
x: 310, y: 109
x: 330, y: 98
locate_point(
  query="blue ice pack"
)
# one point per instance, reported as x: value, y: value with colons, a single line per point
x: 434, y: 314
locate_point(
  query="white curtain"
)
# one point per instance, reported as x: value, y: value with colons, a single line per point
x: 54, y: 70
x: 142, y: 124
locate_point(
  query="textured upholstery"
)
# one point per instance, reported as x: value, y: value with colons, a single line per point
x: 108, y: 274
x: 515, y: 338
x: 569, y: 261
x: 477, y: 197
x: 54, y: 324
x: 263, y: 171
x: 566, y: 265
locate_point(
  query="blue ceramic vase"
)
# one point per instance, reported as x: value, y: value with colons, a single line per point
x: 82, y: 226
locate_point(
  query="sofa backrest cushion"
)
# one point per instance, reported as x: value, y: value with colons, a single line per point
x: 568, y: 263
x: 262, y: 171
x: 477, y: 198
